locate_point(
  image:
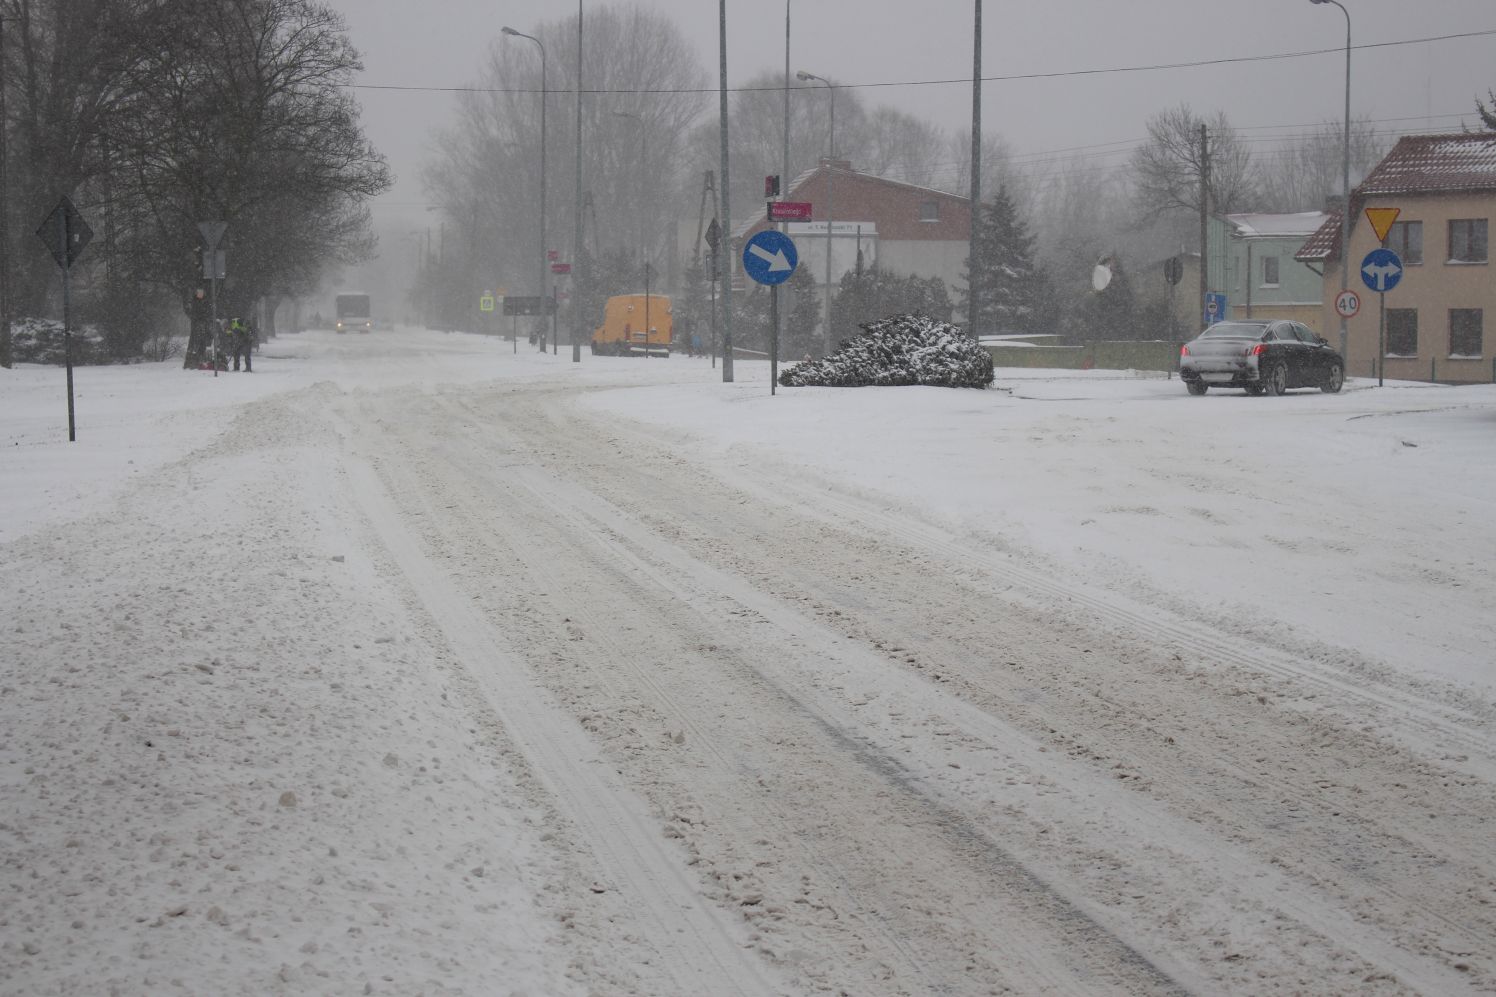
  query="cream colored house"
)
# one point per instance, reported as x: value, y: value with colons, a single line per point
x: 1441, y: 316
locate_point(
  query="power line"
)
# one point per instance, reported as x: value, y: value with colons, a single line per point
x: 1154, y: 67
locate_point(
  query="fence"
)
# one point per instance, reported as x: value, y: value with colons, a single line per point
x: 1149, y: 355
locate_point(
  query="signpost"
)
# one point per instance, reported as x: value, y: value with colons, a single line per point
x: 713, y: 238
x: 1173, y: 273
x: 215, y: 268
x: 1381, y: 270
x: 65, y: 234
x: 770, y: 258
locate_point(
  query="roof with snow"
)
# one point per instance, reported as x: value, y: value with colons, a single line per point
x: 1324, y: 244
x: 1418, y: 164
x: 1429, y: 164
x: 1262, y: 226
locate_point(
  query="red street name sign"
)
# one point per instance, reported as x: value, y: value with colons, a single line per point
x: 789, y: 211
x: 560, y: 268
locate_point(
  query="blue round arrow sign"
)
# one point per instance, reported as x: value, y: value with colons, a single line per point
x: 1381, y: 270
x: 770, y: 257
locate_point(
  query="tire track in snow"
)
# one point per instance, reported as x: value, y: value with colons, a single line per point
x: 702, y: 948
x: 1040, y: 939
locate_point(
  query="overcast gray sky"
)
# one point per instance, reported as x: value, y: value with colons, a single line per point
x: 442, y: 43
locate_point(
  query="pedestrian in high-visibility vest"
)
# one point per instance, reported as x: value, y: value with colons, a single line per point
x: 241, y: 341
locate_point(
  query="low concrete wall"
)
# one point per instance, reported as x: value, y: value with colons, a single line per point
x: 1150, y: 355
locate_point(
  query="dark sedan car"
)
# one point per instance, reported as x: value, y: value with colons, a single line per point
x: 1260, y: 357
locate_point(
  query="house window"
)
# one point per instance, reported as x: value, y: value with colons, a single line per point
x: 1269, y: 271
x: 1406, y: 240
x: 1467, y: 240
x: 1464, y: 332
x: 1402, y: 332
x: 929, y: 211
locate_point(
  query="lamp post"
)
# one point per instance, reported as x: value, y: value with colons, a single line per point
x: 830, y: 168
x: 1345, y: 162
x: 541, y: 256
x: 576, y: 246
x: 639, y: 206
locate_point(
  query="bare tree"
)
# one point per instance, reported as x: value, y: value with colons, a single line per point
x: 644, y: 90
x: 903, y: 147
x: 1305, y: 174
x: 1487, y: 113
x: 757, y: 134
x: 238, y: 111
x: 1167, y: 169
x: 1082, y: 217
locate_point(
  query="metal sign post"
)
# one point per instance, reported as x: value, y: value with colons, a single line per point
x: 65, y: 233
x: 214, y: 269
x: 1381, y: 270
x: 770, y: 258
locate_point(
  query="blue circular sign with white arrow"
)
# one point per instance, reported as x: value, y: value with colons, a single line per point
x: 1381, y: 270
x: 770, y: 257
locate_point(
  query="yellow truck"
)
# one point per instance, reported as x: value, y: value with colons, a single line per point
x: 634, y: 323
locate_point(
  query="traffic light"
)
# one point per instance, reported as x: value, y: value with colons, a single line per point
x: 771, y: 185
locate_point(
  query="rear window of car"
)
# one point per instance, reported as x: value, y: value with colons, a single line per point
x: 1232, y: 330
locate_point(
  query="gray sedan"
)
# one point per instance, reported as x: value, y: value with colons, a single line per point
x: 1260, y: 357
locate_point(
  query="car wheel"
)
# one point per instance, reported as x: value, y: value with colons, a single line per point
x: 1275, y: 379
x: 1333, y: 380
x: 1196, y: 387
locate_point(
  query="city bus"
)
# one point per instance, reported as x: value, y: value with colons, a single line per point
x: 353, y: 312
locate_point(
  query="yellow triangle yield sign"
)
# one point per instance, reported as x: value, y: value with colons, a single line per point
x: 1381, y: 220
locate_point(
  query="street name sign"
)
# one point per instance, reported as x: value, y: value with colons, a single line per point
x: 515, y: 305
x: 790, y: 211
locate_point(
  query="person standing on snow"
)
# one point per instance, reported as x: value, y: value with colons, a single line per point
x: 242, y: 342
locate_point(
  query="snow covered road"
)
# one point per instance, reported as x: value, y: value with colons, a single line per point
x: 436, y: 670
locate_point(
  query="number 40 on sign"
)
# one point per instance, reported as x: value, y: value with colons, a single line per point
x: 1347, y: 304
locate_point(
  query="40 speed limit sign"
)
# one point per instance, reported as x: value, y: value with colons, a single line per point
x: 1347, y: 304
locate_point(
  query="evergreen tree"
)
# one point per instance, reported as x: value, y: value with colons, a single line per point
x: 1011, y: 289
x: 803, y: 318
x: 869, y: 295
x: 1487, y: 113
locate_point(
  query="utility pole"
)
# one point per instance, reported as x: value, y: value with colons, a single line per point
x: 1204, y: 218
x: 576, y: 302
x: 5, y: 341
x: 725, y: 214
x: 973, y: 278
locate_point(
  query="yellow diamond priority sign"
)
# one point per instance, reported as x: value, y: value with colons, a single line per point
x: 1381, y: 220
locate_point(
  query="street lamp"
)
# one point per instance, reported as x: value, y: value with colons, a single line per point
x: 639, y: 206
x: 544, y: 260
x: 805, y: 77
x: 576, y: 245
x: 1345, y: 161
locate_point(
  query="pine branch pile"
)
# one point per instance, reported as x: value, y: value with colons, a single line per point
x: 903, y: 349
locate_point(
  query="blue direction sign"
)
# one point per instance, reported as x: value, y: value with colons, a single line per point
x: 1215, y: 307
x: 1381, y: 270
x: 770, y: 257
